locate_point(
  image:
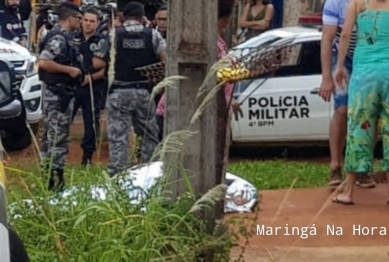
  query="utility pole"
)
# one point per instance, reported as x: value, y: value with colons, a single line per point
x: 192, y: 50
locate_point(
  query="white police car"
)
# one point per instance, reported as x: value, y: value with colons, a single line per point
x: 285, y: 107
x: 27, y: 79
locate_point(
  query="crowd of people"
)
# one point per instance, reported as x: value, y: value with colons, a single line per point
x: 354, y: 62
x: 74, y: 66
x: 128, y: 99
x: 75, y: 58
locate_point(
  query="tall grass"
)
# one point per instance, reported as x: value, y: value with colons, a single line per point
x: 81, y: 228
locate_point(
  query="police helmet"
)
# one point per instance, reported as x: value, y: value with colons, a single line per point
x: 113, y: 5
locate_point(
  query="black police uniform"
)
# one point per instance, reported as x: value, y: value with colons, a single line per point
x: 58, y: 97
x: 125, y: 67
x: 129, y: 102
x: 96, y: 46
x: 11, y: 25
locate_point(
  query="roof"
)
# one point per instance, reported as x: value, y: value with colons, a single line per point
x: 285, y: 32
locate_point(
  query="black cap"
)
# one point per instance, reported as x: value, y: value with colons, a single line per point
x: 134, y: 9
x: 69, y: 6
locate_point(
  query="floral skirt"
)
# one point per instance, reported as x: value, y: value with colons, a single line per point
x: 368, y: 106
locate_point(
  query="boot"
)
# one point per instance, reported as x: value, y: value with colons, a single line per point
x: 56, y: 180
x: 87, y: 159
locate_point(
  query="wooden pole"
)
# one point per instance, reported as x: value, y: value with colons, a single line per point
x: 192, y: 50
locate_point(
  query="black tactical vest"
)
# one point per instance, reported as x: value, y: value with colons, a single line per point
x: 133, y: 49
x: 67, y: 58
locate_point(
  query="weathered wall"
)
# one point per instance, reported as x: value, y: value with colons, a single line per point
x: 293, y: 9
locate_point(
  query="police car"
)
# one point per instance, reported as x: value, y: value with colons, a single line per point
x: 11, y: 114
x: 285, y: 107
x: 26, y: 80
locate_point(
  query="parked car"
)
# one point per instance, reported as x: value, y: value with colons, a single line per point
x: 284, y: 108
x: 26, y: 80
x: 11, y: 109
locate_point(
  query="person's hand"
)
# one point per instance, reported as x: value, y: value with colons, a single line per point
x: 145, y: 21
x: 74, y: 72
x: 236, y: 109
x: 341, y: 77
x: 86, y: 80
x: 327, y: 88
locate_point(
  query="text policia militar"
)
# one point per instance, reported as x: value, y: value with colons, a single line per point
x: 268, y: 109
x: 331, y: 230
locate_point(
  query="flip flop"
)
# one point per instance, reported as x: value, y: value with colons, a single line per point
x: 337, y: 201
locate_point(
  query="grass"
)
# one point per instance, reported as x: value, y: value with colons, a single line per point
x: 83, y: 229
x: 280, y: 174
x: 102, y: 230
x: 264, y: 175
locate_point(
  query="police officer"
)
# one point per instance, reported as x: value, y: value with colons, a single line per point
x: 94, y: 49
x: 129, y: 98
x: 59, y: 70
x: 11, y: 23
x: 161, y: 20
x: 107, y: 21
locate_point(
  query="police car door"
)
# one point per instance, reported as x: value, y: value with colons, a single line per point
x: 286, y: 107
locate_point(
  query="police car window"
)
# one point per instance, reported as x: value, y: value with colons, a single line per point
x: 241, y: 86
x: 293, y: 57
x: 290, y: 65
x: 245, y: 48
x: 310, y: 58
x: 304, y: 59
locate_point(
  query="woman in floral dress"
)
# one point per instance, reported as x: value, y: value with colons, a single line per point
x: 368, y: 89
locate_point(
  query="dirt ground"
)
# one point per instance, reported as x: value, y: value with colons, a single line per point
x: 313, y: 206
x: 27, y: 156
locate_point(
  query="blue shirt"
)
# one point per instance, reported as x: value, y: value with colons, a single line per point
x: 11, y: 25
x: 334, y: 14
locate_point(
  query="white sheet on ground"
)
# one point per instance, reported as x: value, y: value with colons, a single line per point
x: 241, y: 196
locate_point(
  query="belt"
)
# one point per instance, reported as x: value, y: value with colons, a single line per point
x: 131, y: 86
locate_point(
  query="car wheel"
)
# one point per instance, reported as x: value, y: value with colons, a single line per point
x: 16, y: 142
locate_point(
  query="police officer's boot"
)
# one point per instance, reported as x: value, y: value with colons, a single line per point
x: 56, y: 180
x: 87, y: 159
